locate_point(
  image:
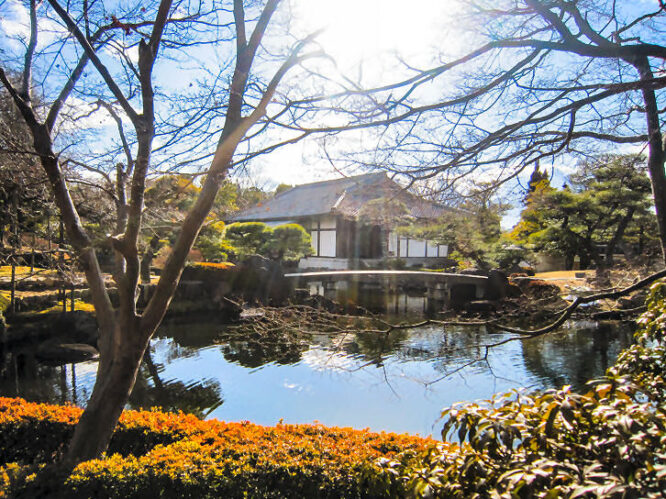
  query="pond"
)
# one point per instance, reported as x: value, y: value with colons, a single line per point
x: 397, y: 382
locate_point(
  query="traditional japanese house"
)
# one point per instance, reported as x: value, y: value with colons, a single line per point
x: 351, y: 221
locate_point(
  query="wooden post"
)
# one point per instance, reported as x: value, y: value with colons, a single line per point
x: 32, y: 256
x: 71, y: 296
x: 73, y: 369
x: 48, y: 228
x: 12, y: 297
x: 61, y: 264
x: 15, y: 244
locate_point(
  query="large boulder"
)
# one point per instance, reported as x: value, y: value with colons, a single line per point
x: 79, y: 326
x: 496, y: 285
x: 258, y: 279
x: 255, y: 280
x: 66, y: 352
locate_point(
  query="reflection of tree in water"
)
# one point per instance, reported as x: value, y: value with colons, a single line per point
x: 443, y: 346
x: 575, y: 356
x: 22, y: 375
x: 254, y: 349
x: 447, y: 346
x: 282, y: 336
x: 192, y: 336
x: 373, y: 347
x: 200, y: 397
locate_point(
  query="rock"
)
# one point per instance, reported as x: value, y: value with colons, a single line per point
x: 537, y: 288
x: 205, y: 282
x: 259, y: 279
x: 461, y: 294
x: 192, y: 290
x: 496, y: 285
x: 66, y: 352
x: 633, y: 301
x: 79, y: 325
x: 300, y: 294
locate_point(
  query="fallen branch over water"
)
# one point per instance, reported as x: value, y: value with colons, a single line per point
x: 306, y: 318
x: 580, y: 300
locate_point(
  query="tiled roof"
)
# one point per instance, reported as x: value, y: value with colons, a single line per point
x: 344, y: 196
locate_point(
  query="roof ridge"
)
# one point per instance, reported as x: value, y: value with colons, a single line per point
x: 334, y: 180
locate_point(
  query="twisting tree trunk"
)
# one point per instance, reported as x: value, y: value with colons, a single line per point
x: 116, y: 376
x: 125, y: 334
x: 655, y: 148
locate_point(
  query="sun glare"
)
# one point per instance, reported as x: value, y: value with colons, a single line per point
x: 375, y: 31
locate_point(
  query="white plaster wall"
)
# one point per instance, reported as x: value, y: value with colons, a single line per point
x: 327, y: 241
x: 416, y: 248
x: 315, y: 248
x: 392, y: 243
x: 403, y: 247
x: 323, y: 263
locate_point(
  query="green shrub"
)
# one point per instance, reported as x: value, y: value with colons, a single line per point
x: 247, y: 238
x: 608, y: 442
x: 288, y: 242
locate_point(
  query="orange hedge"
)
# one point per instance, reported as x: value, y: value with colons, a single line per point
x: 214, y: 265
x: 177, y: 455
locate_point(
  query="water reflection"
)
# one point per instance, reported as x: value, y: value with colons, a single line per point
x: 199, y: 397
x: 576, y: 354
x: 381, y: 298
x: 23, y: 375
x: 396, y: 382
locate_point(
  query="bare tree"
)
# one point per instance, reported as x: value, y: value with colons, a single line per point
x: 543, y: 79
x: 93, y: 34
x: 551, y: 77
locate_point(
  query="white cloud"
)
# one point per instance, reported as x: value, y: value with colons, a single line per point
x: 78, y: 114
x: 15, y: 24
x: 15, y: 19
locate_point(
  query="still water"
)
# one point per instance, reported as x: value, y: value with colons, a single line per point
x: 397, y: 382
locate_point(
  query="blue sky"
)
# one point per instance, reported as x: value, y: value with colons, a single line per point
x: 367, y: 42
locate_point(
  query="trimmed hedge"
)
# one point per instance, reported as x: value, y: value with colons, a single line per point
x: 178, y: 455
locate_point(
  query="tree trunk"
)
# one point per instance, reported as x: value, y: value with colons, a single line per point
x: 116, y: 376
x: 12, y: 292
x: 619, y: 234
x: 147, y: 259
x: 601, y: 272
x: 124, y: 335
x: 655, y: 150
